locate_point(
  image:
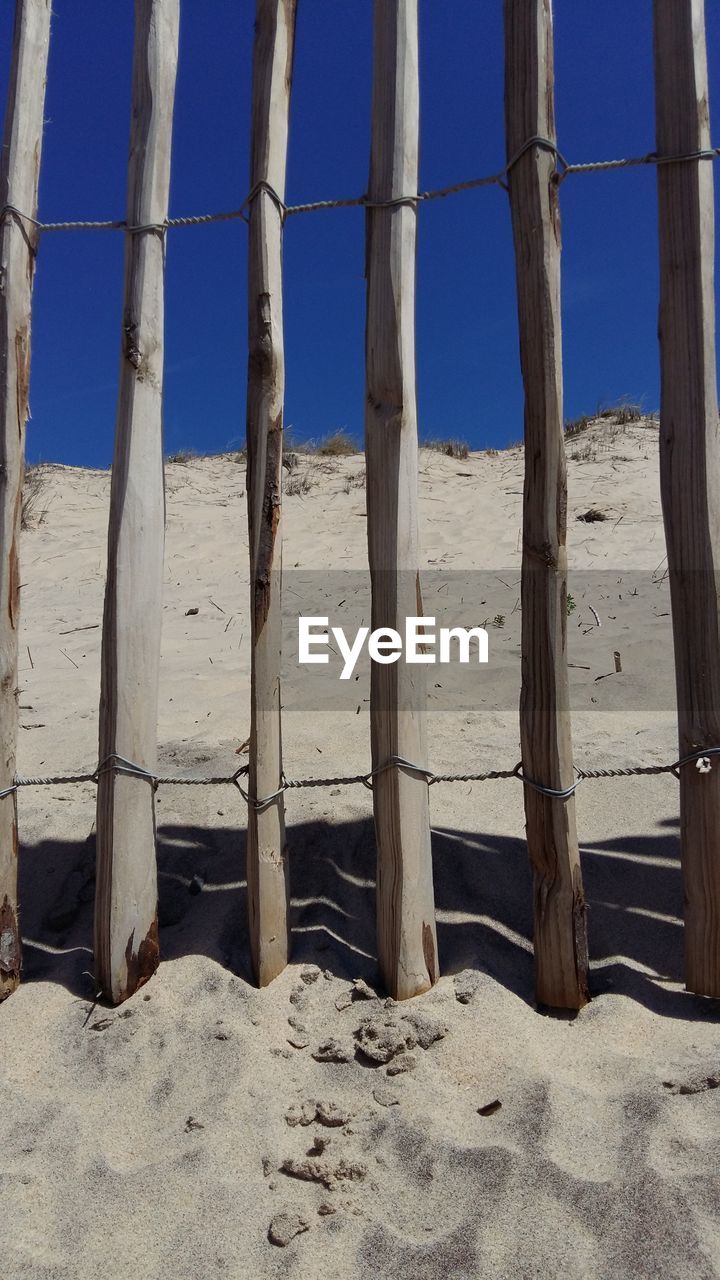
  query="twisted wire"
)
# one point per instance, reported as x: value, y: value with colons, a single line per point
x: 117, y: 764
x: 564, y: 170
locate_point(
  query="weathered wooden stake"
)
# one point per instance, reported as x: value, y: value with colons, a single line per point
x: 19, y: 171
x: 126, y: 936
x: 690, y: 458
x: 267, y: 863
x: 560, y: 931
x: 407, y: 944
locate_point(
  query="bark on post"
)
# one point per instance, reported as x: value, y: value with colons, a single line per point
x: 267, y: 864
x: 559, y: 906
x: 19, y: 171
x: 690, y: 458
x: 407, y: 944
x: 126, y: 937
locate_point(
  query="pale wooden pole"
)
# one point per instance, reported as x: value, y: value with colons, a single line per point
x: 126, y: 936
x: 19, y: 172
x: 559, y: 906
x: 690, y: 458
x: 407, y: 944
x: 267, y: 862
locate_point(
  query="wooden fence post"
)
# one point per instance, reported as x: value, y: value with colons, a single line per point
x: 19, y: 172
x: 126, y: 936
x: 267, y: 863
x: 690, y: 458
x: 407, y: 944
x: 559, y: 907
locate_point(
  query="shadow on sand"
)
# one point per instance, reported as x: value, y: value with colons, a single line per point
x: 483, y: 899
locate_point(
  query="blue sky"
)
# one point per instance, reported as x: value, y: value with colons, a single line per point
x: 468, y: 367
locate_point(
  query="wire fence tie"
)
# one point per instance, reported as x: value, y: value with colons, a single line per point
x: 160, y: 227
x: 115, y: 763
x: 553, y: 792
x: 708, y: 153
x: 398, y: 762
x: 264, y: 187
x: 545, y: 144
x: 264, y: 801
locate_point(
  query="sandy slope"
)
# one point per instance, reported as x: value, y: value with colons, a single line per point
x: 149, y: 1141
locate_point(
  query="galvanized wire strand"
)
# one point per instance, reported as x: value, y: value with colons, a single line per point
x: 356, y: 779
x: 652, y: 158
x: 564, y: 170
x: 120, y: 224
x: 637, y: 771
x: 47, y: 782
x: 494, y: 775
x: 118, y: 764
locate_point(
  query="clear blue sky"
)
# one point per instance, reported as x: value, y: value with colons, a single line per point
x: 468, y: 370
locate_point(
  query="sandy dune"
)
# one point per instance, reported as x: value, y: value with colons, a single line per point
x: 163, y: 1139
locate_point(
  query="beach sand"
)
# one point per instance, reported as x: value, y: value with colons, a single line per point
x: 170, y: 1137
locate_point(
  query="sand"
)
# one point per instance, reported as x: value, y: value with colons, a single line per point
x: 170, y: 1138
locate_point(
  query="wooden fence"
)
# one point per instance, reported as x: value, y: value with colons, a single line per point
x: 126, y: 935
